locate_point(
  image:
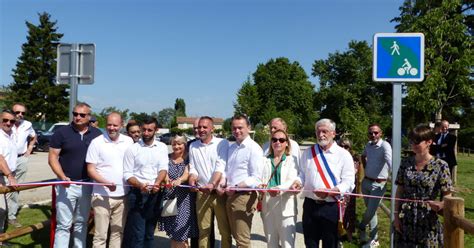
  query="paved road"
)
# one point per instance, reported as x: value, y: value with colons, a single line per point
x: 38, y: 169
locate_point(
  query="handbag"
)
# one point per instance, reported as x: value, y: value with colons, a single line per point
x: 170, y: 208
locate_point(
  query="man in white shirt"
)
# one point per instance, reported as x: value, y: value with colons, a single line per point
x: 8, y: 156
x: 320, y: 209
x: 244, y: 170
x: 105, y: 165
x: 280, y: 124
x: 145, y: 167
x: 25, y: 138
x: 207, y: 161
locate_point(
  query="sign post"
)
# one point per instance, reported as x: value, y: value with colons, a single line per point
x: 398, y: 57
x: 75, y: 65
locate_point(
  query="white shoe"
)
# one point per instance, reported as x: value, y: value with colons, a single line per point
x: 372, y: 244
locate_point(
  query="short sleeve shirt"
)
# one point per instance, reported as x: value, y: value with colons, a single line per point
x: 73, y: 145
x: 8, y: 149
x: 21, y: 134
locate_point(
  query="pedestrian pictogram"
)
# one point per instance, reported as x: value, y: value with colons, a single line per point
x: 398, y: 57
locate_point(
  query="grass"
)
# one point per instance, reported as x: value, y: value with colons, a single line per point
x: 464, y: 189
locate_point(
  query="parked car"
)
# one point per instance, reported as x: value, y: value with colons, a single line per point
x: 44, y: 137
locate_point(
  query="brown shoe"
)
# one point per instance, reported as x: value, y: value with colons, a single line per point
x: 14, y: 223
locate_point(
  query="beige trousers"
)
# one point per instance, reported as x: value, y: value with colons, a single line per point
x: 208, y: 205
x: 240, y: 209
x: 109, y: 211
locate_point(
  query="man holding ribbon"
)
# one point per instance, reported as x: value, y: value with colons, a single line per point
x: 145, y: 167
x: 67, y: 159
x: 105, y: 165
x: 326, y: 172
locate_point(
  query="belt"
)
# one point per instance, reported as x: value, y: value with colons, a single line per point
x: 20, y: 155
x: 320, y: 202
x: 378, y: 180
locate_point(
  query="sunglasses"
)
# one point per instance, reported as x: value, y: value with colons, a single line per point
x: 20, y: 112
x: 415, y: 142
x: 281, y: 140
x: 82, y: 115
x: 372, y: 133
x: 12, y: 121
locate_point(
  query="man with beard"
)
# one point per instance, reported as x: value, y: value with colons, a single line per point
x: 67, y: 159
x: 105, y: 165
x: 377, y: 161
x: 145, y: 168
x: 207, y: 161
x: 8, y: 156
x: 25, y: 137
x: 325, y: 168
x: 244, y: 170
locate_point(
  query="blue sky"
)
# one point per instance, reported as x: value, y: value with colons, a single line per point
x: 148, y: 53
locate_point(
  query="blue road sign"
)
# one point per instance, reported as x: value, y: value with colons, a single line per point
x: 399, y: 57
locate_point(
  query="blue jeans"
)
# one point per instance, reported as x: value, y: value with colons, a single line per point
x: 73, y: 205
x: 143, y: 214
x: 370, y: 216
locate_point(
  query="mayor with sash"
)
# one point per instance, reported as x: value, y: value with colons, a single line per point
x: 325, y: 168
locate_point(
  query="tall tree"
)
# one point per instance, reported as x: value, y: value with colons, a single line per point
x: 280, y: 88
x: 180, y: 107
x: 35, y: 74
x: 347, y: 93
x: 248, y: 101
x: 166, y: 116
x: 448, y: 89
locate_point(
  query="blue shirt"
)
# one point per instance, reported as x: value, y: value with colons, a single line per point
x: 73, y: 145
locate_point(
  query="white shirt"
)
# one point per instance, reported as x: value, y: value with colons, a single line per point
x: 339, y: 161
x: 295, y: 150
x: 8, y: 149
x: 205, y: 159
x: 244, y: 163
x: 145, y: 162
x: 21, y: 134
x: 107, y: 155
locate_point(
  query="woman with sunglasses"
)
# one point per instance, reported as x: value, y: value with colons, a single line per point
x: 425, y: 178
x: 279, y: 208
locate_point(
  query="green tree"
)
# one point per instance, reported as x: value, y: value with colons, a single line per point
x: 35, y: 74
x: 165, y: 117
x: 447, y: 89
x: 180, y: 107
x: 281, y: 89
x: 106, y: 111
x: 248, y: 101
x: 348, y: 95
x: 139, y: 117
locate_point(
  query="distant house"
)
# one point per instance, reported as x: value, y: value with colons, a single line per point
x: 187, y: 122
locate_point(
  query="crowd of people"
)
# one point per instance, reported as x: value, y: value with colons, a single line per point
x: 139, y: 186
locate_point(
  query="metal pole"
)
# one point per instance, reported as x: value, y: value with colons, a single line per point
x: 74, y: 78
x: 396, y: 147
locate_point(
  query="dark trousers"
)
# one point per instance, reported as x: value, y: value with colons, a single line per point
x: 143, y: 214
x: 320, y: 223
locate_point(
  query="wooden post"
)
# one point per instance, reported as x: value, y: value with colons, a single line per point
x: 453, y: 234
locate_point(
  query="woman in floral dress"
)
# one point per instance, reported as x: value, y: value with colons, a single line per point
x: 183, y: 225
x: 421, y: 177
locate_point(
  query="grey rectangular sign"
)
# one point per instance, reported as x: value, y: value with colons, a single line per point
x: 85, y: 63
